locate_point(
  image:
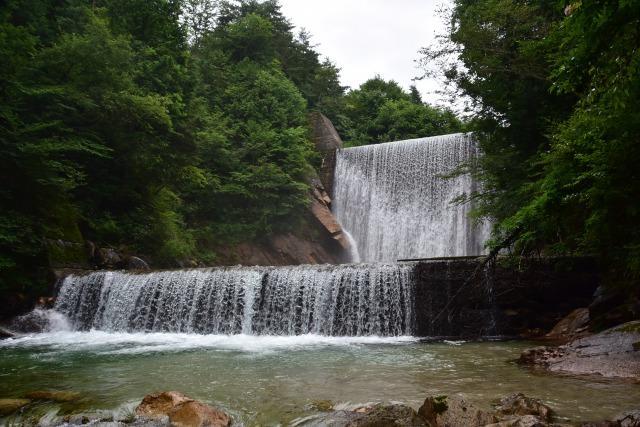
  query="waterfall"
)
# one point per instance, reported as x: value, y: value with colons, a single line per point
x: 346, y: 300
x: 396, y: 202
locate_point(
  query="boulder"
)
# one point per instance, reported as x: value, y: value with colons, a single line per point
x: 521, y: 421
x: 610, y: 353
x: 54, y: 395
x: 518, y: 404
x: 574, y: 325
x: 381, y: 415
x: 181, y: 410
x: 9, y: 406
x: 628, y: 419
x: 108, y: 258
x: 454, y: 411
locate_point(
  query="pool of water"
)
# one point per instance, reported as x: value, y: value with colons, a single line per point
x: 262, y: 380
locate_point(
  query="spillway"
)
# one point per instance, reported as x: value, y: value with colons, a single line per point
x: 345, y: 300
x: 397, y: 199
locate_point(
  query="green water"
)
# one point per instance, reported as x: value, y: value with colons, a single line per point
x: 276, y: 380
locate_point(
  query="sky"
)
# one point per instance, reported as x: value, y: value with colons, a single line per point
x: 369, y: 37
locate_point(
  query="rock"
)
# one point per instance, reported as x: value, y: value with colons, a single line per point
x: 46, y: 302
x: 612, y: 306
x: 135, y: 263
x: 609, y: 353
x: 109, y: 258
x: 432, y: 407
x: 519, y: 404
x: 5, y: 333
x: 574, y: 325
x: 321, y: 405
x: 521, y: 421
x: 9, y: 406
x: 54, y: 395
x: 454, y: 411
x: 628, y: 419
x: 326, y: 140
x: 322, y: 213
x: 380, y: 415
x: 181, y: 410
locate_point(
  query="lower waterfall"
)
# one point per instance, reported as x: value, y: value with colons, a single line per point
x: 344, y: 300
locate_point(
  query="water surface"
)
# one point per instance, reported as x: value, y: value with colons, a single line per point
x: 276, y: 380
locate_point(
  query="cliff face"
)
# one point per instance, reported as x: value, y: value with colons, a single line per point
x: 320, y: 241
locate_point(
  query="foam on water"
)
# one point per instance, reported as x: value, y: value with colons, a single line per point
x: 101, y: 342
x: 398, y: 203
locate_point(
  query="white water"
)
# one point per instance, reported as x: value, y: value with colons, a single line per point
x: 354, y: 254
x: 346, y: 300
x: 100, y: 342
x: 396, y: 204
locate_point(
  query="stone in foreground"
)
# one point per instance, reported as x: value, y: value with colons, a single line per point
x: 380, y: 415
x: 9, y: 406
x: 515, y: 410
x: 181, y: 410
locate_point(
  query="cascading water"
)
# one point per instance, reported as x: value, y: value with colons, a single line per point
x: 347, y: 300
x: 397, y: 204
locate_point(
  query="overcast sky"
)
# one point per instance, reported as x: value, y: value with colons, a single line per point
x: 369, y: 37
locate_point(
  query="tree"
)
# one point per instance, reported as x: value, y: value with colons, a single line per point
x: 381, y: 111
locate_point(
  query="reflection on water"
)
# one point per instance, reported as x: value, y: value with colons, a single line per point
x: 266, y: 380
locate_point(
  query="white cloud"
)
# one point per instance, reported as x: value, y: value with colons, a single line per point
x: 369, y: 37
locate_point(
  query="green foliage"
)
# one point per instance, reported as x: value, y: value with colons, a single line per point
x: 556, y: 96
x: 163, y: 127
x: 381, y: 111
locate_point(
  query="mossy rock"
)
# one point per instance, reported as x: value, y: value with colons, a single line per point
x: 629, y: 327
x: 9, y: 406
x: 322, y: 405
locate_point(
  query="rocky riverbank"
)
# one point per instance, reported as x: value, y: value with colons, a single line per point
x: 614, y: 353
x: 172, y: 408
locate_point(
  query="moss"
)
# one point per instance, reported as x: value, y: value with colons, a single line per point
x: 632, y: 327
x: 440, y: 404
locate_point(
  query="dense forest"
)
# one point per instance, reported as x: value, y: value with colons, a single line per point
x: 172, y: 126
x: 554, y: 91
x: 167, y: 127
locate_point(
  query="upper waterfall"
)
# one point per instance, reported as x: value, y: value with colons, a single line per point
x: 397, y: 203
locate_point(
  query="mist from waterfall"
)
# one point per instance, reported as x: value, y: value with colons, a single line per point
x: 397, y: 202
x: 346, y: 300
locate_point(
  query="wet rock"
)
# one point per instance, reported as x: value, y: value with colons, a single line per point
x: 5, y: 333
x: 109, y: 258
x: 628, y: 419
x: 520, y: 405
x: 454, y: 411
x: 9, y: 406
x: 521, y: 421
x: 321, y: 405
x: 609, y: 353
x: 574, y: 325
x: 46, y: 302
x: 54, y: 395
x: 380, y: 415
x: 135, y: 263
x: 181, y: 410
